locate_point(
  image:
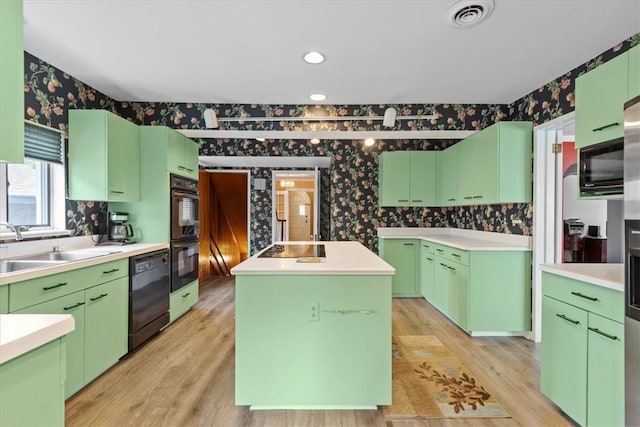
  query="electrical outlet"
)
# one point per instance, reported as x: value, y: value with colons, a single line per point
x: 314, y: 312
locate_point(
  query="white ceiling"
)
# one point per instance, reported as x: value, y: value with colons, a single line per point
x: 378, y: 51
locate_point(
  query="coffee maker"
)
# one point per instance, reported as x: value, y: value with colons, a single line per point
x: 119, y: 231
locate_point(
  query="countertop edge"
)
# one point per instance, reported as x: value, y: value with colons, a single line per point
x: 584, y: 277
x: 49, y: 327
x: 444, y: 240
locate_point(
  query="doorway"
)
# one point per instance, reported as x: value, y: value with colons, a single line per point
x: 295, y: 201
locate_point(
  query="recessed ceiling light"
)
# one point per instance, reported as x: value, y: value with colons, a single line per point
x: 318, y: 97
x: 314, y: 58
x: 315, y: 141
x: 369, y: 142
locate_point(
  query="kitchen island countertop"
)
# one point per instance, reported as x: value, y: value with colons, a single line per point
x: 21, y: 333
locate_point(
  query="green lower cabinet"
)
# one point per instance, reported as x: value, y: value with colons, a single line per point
x: 459, y: 293
x: 634, y: 73
x: 427, y: 271
x: 32, y: 387
x: 182, y: 300
x: 582, y: 354
x: 403, y: 255
x: 441, y: 285
x: 73, y: 304
x: 563, y: 358
x: 106, y: 326
x: 605, y: 375
x: 4, y: 299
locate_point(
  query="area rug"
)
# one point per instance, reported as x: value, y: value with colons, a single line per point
x: 429, y: 382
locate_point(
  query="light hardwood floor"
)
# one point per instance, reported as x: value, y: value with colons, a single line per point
x: 185, y: 375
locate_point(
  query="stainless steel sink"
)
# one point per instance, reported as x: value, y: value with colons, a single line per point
x: 8, y: 266
x: 62, y: 256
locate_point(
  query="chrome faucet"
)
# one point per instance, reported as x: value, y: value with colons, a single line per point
x: 13, y: 228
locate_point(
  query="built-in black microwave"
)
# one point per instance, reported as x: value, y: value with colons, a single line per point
x: 602, y: 168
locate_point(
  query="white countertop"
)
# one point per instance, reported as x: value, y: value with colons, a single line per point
x: 470, y: 240
x: 606, y: 275
x: 116, y: 252
x: 20, y: 333
x: 341, y: 258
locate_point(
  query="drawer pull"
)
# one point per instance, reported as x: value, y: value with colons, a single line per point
x: 451, y: 200
x: 111, y: 271
x: 606, y: 126
x: 417, y: 201
x: 186, y: 295
x: 117, y: 192
x: 98, y: 297
x: 439, y: 250
x: 46, y: 288
x: 429, y: 259
x: 455, y: 255
x: 451, y: 268
x: 604, y: 334
x: 578, y: 294
x: 477, y: 197
x: 468, y: 197
x: 408, y: 244
x: 73, y: 306
x: 444, y: 265
x: 403, y: 200
x: 562, y: 316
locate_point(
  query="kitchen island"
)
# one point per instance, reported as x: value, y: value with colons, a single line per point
x: 314, y: 332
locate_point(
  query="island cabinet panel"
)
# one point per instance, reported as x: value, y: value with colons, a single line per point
x: 11, y: 82
x: 600, y: 96
x: 404, y: 256
x: 4, y: 299
x: 408, y: 178
x: 182, y: 300
x: 104, y: 157
x: 634, y: 72
x: 289, y: 357
x: 582, y: 350
x: 32, y: 387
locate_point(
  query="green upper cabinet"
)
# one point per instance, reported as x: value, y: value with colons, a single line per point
x: 182, y: 155
x: 600, y: 97
x: 104, y: 157
x: 634, y: 73
x: 494, y: 165
x: 407, y: 178
x: 447, y: 176
x: 11, y: 82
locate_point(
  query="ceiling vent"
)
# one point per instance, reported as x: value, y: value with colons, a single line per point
x: 467, y: 13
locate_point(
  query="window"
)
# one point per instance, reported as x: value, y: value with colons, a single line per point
x: 33, y: 192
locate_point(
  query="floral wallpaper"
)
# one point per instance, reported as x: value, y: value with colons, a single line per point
x: 349, y: 187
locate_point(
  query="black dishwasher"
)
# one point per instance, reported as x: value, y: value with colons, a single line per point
x: 149, y: 284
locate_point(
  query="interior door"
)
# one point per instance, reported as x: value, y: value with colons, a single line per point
x: 299, y: 222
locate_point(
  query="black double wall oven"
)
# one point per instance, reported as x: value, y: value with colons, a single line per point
x: 184, y: 231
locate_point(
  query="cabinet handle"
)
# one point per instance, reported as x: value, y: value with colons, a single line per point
x: 610, y: 125
x: 186, y: 295
x: 98, y: 297
x: 429, y: 259
x: 46, y: 288
x: 604, y: 334
x: 468, y: 197
x: 451, y: 200
x: 117, y: 192
x: 408, y: 244
x: 181, y: 168
x: 73, y: 306
x: 477, y: 197
x: 455, y: 255
x: 111, y: 271
x: 439, y: 250
x: 444, y: 265
x: 419, y: 201
x: 403, y: 200
x: 562, y: 316
x: 578, y: 294
x: 451, y: 268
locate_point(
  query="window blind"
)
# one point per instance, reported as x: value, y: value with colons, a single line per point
x: 43, y: 143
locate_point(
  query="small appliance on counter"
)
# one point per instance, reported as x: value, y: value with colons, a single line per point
x: 119, y: 232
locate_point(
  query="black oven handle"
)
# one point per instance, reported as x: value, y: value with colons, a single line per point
x: 184, y: 244
x: 183, y: 194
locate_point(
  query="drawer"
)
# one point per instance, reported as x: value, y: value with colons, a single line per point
x: 596, y: 299
x: 453, y: 254
x: 606, y: 328
x: 182, y: 300
x: 427, y: 246
x: 41, y: 289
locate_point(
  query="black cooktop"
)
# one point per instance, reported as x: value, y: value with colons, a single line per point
x: 295, y: 250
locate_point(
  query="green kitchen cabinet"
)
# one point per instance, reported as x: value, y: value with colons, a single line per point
x: 447, y: 176
x: 494, y: 165
x: 563, y: 358
x: 98, y: 298
x: 600, y: 97
x: 182, y: 300
x: 582, y: 350
x: 11, y: 82
x: 4, y: 299
x: 182, y: 155
x: 73, y: 304
x: 427, y: 270
x: 106, y: 326
x: 104, y: 157
x: 32, y: 387
x: 408, y: 178
x: 403, y: 255
x: 458, y: 293
x: 441, y: 285
x: 633, y: 89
